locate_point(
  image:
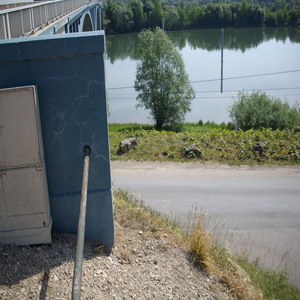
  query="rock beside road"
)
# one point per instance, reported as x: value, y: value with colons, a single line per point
x: 127, y: 144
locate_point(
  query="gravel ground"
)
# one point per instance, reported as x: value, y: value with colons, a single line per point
x: 141, y: 265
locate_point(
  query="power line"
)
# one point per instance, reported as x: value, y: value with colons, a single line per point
x: 233, y: 91
x: 210, y: 97
x: 227, y: 97
x: 218, y: 79
x: 246, y: 76
x: 250, y: 90
x: 129, y: 96
x: 206, y: 97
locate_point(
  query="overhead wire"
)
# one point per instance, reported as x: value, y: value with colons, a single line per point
x: 227, y: 97
x: 201, y: 94
x: 250, y: 90
x: 218, y: 79
x: 247, y: 76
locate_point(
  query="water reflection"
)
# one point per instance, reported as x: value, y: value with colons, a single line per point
x: 121, y: 46
x: 271, y: 51
x: 124, y: 46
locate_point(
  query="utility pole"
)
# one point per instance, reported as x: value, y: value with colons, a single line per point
x: 222, y: 46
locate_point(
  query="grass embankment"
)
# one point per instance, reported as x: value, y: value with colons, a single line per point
x: 207, y: 143
x: 244, y: 279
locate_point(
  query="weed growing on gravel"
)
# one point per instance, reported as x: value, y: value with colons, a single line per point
x: 200, y: 243
x: 273, y: 284
x: 133, y: 212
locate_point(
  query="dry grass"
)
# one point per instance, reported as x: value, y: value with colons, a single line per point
x: 200, y: 243
x: 134, y: 213
x: 219, y: 261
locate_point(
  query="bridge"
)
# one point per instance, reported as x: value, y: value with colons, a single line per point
x: 49, y: 17
x: 52, y: 69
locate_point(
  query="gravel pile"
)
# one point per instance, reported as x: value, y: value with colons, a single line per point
x: 141, y: 265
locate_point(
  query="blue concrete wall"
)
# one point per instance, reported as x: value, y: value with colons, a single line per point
x: 68, y: 71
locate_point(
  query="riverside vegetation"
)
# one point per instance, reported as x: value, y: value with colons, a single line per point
x: 214, y: 143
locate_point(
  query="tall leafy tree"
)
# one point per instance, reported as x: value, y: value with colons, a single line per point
x: 120, y: 15
x: 243, y: 14
x: 172, y: 19
x: 161, y: 80
x: 138, y: 13
x: 156, y: 14
x: 182, y: 17
x: 148, y: 6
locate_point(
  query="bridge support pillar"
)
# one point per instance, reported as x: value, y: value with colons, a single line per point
x: 68, y: 71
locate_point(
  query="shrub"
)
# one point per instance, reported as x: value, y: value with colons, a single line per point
x: 258, y: 110
x: 200, y: 123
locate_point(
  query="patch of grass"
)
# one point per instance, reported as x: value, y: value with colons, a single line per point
x: 133, y: 212
x: 234, y: 276
x: 274, y: 284
x: 281, y: 147
x: 116, y: 127
x: 207, y: 126
x: 191, y: 127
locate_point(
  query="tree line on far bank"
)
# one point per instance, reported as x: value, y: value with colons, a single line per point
x: 135, y: 15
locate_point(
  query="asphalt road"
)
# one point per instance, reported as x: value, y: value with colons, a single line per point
x: 255, y: 210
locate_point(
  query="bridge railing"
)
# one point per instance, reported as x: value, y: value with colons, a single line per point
x: 24, y: 20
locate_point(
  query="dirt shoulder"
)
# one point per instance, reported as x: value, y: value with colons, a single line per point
x: 190, y: 166
x: 142, y: 265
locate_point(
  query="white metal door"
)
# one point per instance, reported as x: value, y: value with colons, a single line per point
x: 24, y: 204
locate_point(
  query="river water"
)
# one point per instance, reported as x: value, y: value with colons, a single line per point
x: 253, y: 59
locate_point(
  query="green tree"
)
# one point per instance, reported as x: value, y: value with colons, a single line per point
x: 243, y: 14
x: 227, y: 15
x: 120, y: 15
x: 282, y: 17
x: 193, y: 16
x: 172, y: 19
x: 271, y: 19
x: 148, y: 6
x: 294, y: 17
x: 110, y: 6
x: 258, y: 110
x: 138, y: 13
x: 182, y: 16
x: 155, y: 16
x: 161, y: 81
